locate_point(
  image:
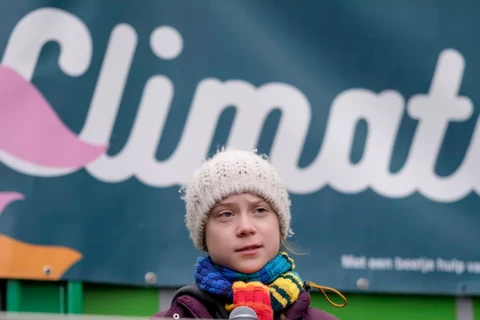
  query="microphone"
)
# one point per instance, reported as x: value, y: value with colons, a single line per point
x: 243, y: 313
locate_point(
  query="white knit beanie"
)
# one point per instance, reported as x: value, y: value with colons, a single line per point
x: 229, y: 172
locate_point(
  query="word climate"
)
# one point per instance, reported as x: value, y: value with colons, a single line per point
x: 332, y: 166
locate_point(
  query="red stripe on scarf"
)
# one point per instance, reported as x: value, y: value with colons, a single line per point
x: 254, y: 295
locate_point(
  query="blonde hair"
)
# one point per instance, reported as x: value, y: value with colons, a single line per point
x: 292, y: 248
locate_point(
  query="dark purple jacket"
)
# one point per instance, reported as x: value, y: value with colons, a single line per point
x: 191, y: 302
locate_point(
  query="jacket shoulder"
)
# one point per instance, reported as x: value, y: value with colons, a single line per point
x: 184, y: 306
x: 317, y: 314
x: 191, y: 302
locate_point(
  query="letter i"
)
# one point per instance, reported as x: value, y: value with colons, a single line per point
x: 166, y: 42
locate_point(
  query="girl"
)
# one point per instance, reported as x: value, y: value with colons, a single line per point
x: 238, y: 212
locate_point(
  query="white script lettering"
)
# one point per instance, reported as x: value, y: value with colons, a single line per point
x: 332, y: 166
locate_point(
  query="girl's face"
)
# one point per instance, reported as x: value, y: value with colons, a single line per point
x: 242, y: 233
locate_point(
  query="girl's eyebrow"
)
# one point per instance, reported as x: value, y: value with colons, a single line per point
x: 259, y: 202
x: 221, y: 205
x: 229, y: 203
x: 226, y: 204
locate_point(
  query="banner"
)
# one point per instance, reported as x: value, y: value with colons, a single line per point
x: 368, y: 112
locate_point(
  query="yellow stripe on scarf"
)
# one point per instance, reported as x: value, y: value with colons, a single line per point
x: 278, y: 297
x: 290, y: 285
x: 285, y: 255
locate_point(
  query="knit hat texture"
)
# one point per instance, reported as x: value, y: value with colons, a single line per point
x: 232, y: 171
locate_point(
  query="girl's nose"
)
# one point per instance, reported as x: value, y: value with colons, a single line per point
x: 245, y: 225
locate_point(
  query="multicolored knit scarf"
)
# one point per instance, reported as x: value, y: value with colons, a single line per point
x: 271, y: 289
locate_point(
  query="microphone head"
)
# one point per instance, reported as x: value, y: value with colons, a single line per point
x: 243, y: 312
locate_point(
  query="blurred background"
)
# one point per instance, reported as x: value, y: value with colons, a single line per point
x: 367, y: 109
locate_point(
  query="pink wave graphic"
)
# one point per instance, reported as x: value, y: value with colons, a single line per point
x: 8, y: 197
x: 31, y: 130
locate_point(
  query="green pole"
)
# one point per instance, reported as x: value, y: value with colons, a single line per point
x: 74, y: 297
x: 13, y: 295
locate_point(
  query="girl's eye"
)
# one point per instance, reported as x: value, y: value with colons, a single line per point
x: 261, y: 210
x: 226, y: 214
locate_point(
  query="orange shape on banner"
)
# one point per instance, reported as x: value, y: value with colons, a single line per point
x: 20, y: 260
